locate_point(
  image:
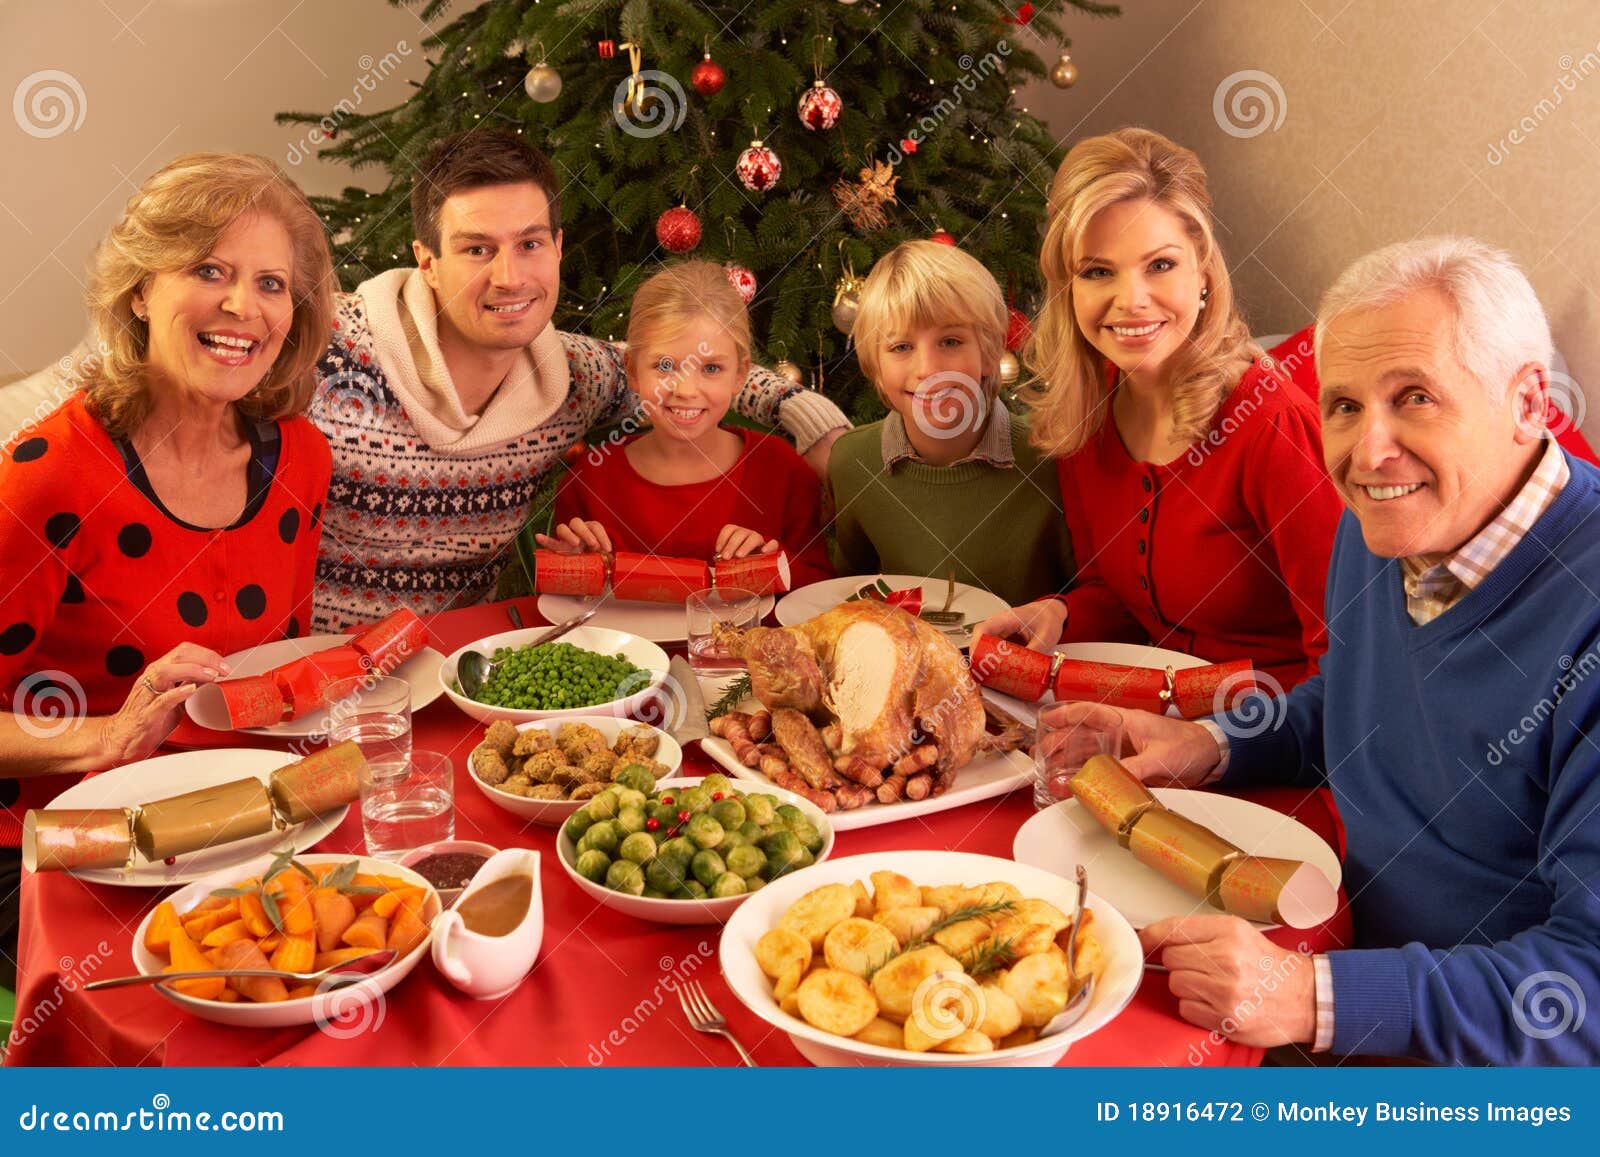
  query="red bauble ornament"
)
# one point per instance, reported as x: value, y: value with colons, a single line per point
x: 758, y: 168
x: 608, y: 49
x: 708, y: 77
x: 908, y: 146
x: 1018, y: 329
x: 819, y: 107
x: 742, y: 280
x: 942, y: 237
x: 678, y: 229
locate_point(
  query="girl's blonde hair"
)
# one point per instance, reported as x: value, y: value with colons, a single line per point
x: 170, y: 223
x: 923, y: 283
x: 672, y: 299
x: 1068, y: 395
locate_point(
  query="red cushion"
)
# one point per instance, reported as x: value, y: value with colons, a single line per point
x: 1293, y: 357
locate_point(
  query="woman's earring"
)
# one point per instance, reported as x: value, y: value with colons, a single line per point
x: 1204, y: 293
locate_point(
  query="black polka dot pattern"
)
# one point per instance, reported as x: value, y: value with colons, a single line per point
x: 123, y: 660
x: 251, y: 601
x: 10, y: 792
x: 192, y: 609
x: 30, y: 451
x: 61, y: 529
x: 289, y: 525
x: 294, y: 628
x: 134, y: 540
x: 16, y: 638
x: 74, y: 590
x: 316, y: 515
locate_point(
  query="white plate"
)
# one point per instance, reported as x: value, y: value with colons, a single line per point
x: 344, y: 1010
x: 808, y: 602
x: 707, y: 911
x: 639, y: 651
x: 983, y: 778
x: 1124, y: 960
x: 1065, y: 835
x: 168, y: 775
x: 553, y: 813
x: 1127, y: 654
x: 207, y: 709
x: 658, y: 622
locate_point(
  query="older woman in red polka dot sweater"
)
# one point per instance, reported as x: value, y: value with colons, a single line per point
x: 169, y: 512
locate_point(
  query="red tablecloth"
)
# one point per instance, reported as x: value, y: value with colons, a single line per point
x: 601, y: 993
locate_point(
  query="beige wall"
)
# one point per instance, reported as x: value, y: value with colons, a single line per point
x: 1396, y: 123
x: 1390, y: 114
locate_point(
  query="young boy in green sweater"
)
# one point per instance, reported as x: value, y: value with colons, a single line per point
x: 948, y: 480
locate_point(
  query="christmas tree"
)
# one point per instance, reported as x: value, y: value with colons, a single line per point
x: 797, y: 140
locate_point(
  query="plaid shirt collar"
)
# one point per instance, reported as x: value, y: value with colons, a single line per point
x: 993, y: 448
x: 1432, y: 590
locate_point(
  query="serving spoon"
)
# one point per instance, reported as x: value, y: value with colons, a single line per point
x: 1079, y: 1004
x: 473, y: 668
x: 346, y: 972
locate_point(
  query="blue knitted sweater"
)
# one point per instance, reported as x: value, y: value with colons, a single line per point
x: 1461, y: 756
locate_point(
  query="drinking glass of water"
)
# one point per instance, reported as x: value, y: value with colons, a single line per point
x: 1060, y: 750
x: 408, y: 806
x: 376, y: 714
x: 707, y: 611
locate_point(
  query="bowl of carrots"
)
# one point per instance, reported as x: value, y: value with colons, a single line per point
x: 295, y: 914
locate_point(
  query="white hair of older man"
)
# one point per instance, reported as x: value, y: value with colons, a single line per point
x: 1500, y: 324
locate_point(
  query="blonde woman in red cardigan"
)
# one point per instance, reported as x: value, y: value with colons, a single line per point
x: 1191, y: 469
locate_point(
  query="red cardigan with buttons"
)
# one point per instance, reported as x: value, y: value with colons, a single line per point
x: 1222, y: 553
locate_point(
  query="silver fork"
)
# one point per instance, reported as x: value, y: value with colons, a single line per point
x: 704, y: 1017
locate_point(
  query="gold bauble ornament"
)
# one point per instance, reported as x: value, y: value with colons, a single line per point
x: 1065, y: 73
x: 1010, y: 369
x: 787, y: 369
x: 542, y: 84
x: 846, y: 303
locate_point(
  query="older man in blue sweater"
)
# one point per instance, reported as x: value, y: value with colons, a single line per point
x: 1454, y: 711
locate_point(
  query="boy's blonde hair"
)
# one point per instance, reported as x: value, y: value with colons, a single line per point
x: 672, y: 299
x: 923, y: 283
x: 171, y: 222
x: 1068, y: 396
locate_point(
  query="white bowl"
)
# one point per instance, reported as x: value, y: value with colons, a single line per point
x: 554, y: 812
x: 343, y: 1010
x: 688, y: 911
x: 640, y: 652
x: 1124, y: 959
x: 448, y: 896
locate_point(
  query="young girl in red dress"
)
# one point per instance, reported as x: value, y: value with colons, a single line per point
x: 690, y: 487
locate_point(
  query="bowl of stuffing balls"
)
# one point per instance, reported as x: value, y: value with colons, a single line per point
x: 546, y: 770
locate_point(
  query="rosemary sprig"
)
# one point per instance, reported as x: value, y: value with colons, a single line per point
x: 731, y: 698
x: 971, y: 912
x: 990, y: 956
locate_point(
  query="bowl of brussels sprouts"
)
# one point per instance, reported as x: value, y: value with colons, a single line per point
x: 691, y: 851
x: 588, y: 671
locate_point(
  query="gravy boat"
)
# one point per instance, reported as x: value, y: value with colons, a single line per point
x: 488, y: 967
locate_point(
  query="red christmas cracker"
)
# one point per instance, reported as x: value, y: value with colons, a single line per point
x: 555, y: 573
x: 253, y: 701
x: 1011, y: 669
x: 305, y: 683
x: 1195, y: 691
x: 651, y: 579
x: 762, y: 574
x: 391, y: 641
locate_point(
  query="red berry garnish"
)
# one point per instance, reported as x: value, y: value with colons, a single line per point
x: 683, y: 817
x: 715, y: 796
x: 652, y: 824
x: 170, y: 860
x: 666, y: 801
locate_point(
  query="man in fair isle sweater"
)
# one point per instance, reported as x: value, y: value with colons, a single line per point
x: 1454, y: 711
x: 448, y: 396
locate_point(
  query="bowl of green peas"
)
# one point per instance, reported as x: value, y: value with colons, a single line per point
x: 690, y: 851
x: 588, y: 671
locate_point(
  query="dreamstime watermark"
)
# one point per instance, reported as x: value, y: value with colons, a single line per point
x: 346, y: 1012
x: 973, y: 71
x: 947, y: 1004
x: 1273, y: 974
x: 1248, y: 103
x: 373, y: 73
x: 666, y: 705
x: 1532, y: 722
x: 1249, y: 703
x: 48, y: 103
x: 662, y: 389
x: 674, y: 971
x: 69, y: 375
x: 1571, y: 73
x: 949, y: 404
x: 649, y: 104
x: 74, y: 973
x: 1565, y: 411
x: 48, y: 704
x: 352, y: 398
x: 1232, y: 421
x: 1547, y: 1004
x: 345, y: 699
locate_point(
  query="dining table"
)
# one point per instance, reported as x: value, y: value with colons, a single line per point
x: 604, y: 988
